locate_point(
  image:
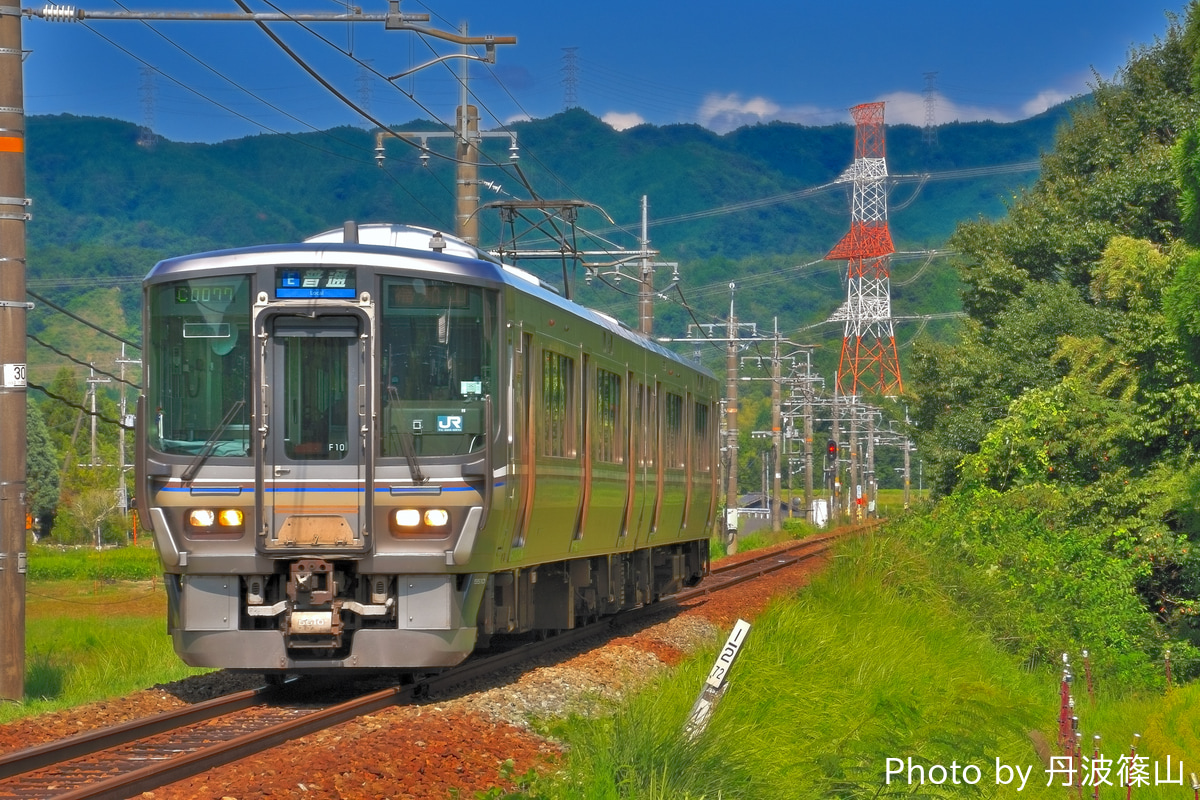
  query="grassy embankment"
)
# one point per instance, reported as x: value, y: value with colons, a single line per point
x: 95, y: 628
x: 872, y: 662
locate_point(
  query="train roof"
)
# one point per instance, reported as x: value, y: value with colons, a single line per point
x: 380, y: 244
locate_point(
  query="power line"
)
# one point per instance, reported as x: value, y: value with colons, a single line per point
x: 78, y: 318
x: 69, y: 402
x: 80, y: 362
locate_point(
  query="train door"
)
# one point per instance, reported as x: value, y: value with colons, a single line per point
x: 315, y: 470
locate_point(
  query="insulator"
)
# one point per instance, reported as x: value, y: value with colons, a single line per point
x: 61, y: 13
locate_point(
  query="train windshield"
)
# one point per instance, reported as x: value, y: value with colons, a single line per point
x: 438, y: 351
x: 199, y: 376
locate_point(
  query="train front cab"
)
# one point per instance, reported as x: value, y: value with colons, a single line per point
x: 314, y: 467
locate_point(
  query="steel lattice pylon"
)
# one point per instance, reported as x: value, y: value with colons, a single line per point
x: 869, y: 361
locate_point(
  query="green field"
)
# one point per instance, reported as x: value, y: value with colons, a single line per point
x: 95, y: 628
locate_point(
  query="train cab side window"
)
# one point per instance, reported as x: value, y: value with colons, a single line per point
x: 438, y: 352
x: 199, y: 370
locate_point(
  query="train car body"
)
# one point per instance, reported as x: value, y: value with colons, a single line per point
x: 380, y: 447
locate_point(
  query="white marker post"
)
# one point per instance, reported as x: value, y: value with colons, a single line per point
x: 717, y: 681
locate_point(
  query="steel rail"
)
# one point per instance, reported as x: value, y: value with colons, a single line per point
x: 20, y: 762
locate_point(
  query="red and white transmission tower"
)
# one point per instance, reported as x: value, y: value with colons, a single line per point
x: 869, y: 361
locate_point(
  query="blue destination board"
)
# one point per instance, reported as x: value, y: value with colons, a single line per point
x: 314, y: 283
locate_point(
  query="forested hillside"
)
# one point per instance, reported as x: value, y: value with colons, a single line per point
x: 105, y: 209
x: 1061, y: 429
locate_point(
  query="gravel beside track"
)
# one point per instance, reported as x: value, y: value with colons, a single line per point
x: 457, y: 741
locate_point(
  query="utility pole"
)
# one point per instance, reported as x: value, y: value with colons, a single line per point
x: 122, y: 489
x: 907, y: 461
x: 776, y: 433
x: 467, y: 140
x: 808, y: 438
x: 731, y: 431
x: 92, y: 381
x: 872, y: 505
x: 13, y: 215
x: 466, y: 123
x: 835, y: 481
x: 646, y: 284
x: 854, y: 484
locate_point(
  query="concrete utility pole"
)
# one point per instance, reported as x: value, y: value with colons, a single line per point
x: 808, y: 438
x: 731, y: 432
x: 776, y: 434
x: 12, y: 354
x: 467, y: 140
x: 872, y: 489
x: 646, y: 284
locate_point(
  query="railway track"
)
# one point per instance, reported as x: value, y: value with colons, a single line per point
x: 123, y: 761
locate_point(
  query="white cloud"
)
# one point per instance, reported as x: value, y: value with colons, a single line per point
x: 908, y: 108
x: 622, y: 120
x: 1044, y: 100
x: 725, y: 112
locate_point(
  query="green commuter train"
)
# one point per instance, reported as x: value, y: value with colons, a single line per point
x: 380, y: 447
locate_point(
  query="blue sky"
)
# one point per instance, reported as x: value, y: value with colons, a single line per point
x: 717, y: 64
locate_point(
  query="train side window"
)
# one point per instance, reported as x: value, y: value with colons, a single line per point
x: 558, y: 405
x: 673, y: 432
x: 607, y: 429
x: 702, y: 440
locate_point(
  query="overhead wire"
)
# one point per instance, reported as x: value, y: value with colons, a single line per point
x: 236, y: 113
x: 78, y: 318
x: 71, y: 403
x: 80, y: 362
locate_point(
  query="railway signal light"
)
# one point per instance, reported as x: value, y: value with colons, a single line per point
x: 832, y: 447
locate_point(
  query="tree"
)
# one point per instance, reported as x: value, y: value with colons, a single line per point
x: 94, y: 507
x: 41, y: 470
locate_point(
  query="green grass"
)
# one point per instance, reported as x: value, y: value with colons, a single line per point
x: 94, y: 628
x: 93, y: 656
x: 873, y: 661
x: 49, y: 562
x: 865, y: 665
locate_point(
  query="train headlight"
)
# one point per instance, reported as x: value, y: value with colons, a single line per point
x: 202, y: 518
x: 407, y: 518
x: 419, y: 520
x: 216, y: 521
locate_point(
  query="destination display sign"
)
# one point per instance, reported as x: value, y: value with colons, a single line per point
x: 314, y: 283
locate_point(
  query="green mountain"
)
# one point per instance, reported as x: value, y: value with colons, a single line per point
x: 725, y: 207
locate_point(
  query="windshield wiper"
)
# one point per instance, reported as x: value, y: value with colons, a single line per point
x: 410, y: 455
x: 211, y: 443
